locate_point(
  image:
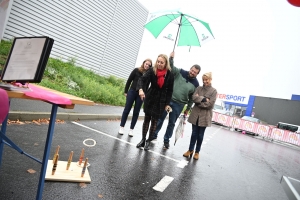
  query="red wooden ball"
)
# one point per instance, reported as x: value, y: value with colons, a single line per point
x: 294, y: 2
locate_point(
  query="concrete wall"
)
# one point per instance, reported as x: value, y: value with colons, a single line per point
x: 272, y: 110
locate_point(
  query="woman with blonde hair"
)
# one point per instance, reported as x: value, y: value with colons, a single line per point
x: 204, y: 98
x: 132, y: 96
x: 157, y: 97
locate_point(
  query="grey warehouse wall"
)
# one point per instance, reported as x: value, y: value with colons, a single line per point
x: 103, y: 36
x: 274, y: 110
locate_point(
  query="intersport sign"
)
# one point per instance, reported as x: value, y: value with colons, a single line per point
x: 241, y: 99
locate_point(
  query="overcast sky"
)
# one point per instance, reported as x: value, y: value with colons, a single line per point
x: 256, y: 50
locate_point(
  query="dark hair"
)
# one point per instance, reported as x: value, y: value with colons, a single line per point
x: 197, y: 67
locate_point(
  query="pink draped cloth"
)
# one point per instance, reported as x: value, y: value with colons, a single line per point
x: 48, y: 96
x: 4, y: 105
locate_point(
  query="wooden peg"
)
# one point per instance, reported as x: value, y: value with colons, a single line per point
x: 81, y: 156
x: 84, y: 167
x: 56, y: 152
x: 70, y: 160
x: 55, y: 164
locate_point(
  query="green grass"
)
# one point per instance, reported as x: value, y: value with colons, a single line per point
x: 4, y: 51
x: 69, y: 78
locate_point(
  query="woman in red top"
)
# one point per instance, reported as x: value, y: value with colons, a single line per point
x: 157, y: 97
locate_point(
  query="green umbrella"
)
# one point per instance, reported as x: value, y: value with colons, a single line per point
x: 191, y: 31
x: 180, y: 128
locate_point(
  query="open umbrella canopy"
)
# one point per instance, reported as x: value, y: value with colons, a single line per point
x: 190, y: 32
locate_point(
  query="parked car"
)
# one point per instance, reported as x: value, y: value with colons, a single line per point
x: 289, y: 127
x: 251, y: 119
x: 219, y: 109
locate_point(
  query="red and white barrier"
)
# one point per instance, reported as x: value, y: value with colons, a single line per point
x: 222, y: 119
x: 260, y: 129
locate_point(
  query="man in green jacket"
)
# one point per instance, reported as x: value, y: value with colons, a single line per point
x: 185, y: 83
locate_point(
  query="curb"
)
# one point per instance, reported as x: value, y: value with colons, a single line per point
x: 29, y: 116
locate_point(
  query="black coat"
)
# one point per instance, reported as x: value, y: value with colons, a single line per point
x: 132, y: 80
x: 156, y: 98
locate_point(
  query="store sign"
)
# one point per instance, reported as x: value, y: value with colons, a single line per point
x: 242, y: 99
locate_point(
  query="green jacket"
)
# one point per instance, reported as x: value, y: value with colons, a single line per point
x: 184, y: 86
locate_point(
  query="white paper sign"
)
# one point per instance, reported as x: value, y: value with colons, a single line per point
x: 24, y: 59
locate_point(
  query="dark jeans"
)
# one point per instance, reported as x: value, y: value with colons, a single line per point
x: 197, y: 137
x: 176, y: 110
x: 132, y: 96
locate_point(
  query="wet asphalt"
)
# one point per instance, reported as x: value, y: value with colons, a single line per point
x: 231, y: 165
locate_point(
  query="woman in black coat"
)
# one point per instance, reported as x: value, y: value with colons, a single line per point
x: 157, y: 97
x: 132, y: 96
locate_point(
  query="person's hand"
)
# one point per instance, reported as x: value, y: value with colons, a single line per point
x: 207, y: 99
x: 196, y: 95
x: 172, y: 54
x: 186, y: 112
x: 142, y: 94
x: 168, y: 108
x: 125, y: 94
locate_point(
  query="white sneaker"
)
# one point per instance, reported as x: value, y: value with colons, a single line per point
x: 121, y: 130
x: 130, y: 133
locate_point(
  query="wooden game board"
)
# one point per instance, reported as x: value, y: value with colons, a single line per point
x: 71, y: 175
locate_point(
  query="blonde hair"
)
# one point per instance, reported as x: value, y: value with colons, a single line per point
x: 167, y: 66
x: 141, y: 68
x: 208, y: 75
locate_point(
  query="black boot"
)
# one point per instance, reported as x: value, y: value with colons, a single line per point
x: 147, y: 144
x: 141, y: 143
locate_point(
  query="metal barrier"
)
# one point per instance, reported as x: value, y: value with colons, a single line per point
x: 265, y: 131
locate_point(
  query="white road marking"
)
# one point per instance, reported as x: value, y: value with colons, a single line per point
x: 178, y: 161
x: 182, y: 163
x: 89, y: 145
x: 216, y: 131
x: 210, y: 136
x: 163, y: 183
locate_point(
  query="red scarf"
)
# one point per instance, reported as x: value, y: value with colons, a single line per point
x: 160, y: 77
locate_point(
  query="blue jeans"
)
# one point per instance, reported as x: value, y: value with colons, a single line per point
x: 132, y: 96
x: 197, y: 137
x: 176, y: 110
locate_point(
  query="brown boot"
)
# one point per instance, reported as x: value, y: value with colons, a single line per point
x: 196, y: 156
x: 188, y: 153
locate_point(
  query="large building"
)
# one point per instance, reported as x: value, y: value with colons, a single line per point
x: 267, y: 109
x: 103, y: 36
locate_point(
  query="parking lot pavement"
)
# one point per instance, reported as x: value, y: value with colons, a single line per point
x: 231, y: 165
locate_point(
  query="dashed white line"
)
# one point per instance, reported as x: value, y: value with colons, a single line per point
x: 210, y: 136
x: 163, y: 183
